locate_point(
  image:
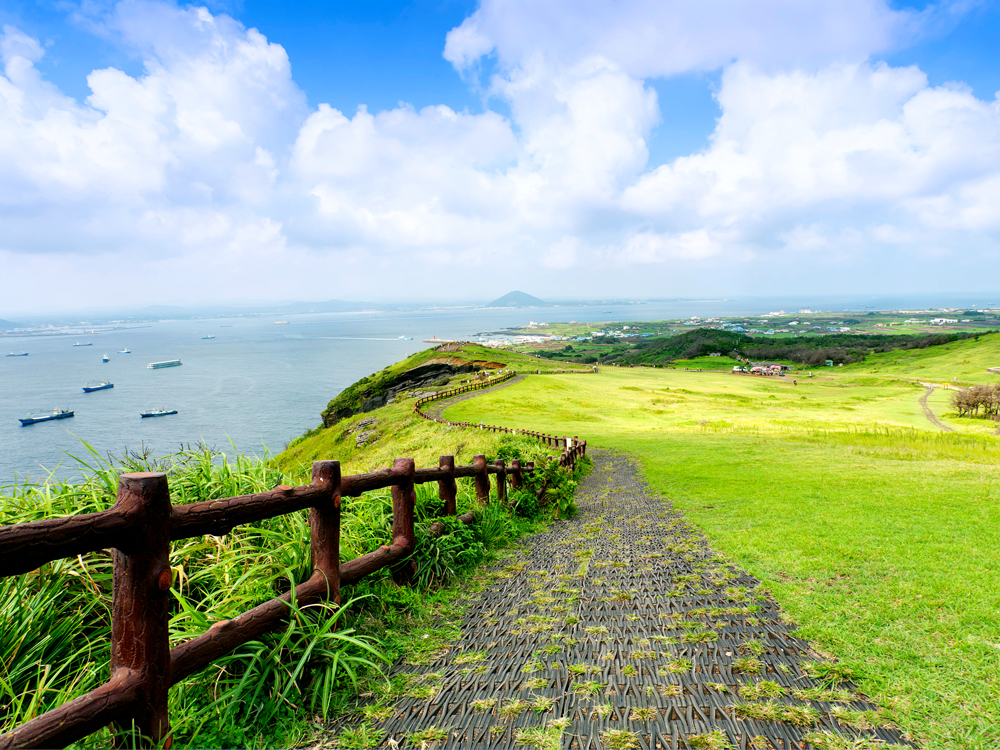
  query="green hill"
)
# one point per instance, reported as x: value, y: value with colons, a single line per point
x: 808, y: 351
x: 431, y: 368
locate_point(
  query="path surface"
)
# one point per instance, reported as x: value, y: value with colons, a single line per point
x: 436, y: 408
x: 927, y: 409
x: 619, y: 628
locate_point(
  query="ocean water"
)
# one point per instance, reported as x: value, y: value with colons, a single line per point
x: 254, y: 387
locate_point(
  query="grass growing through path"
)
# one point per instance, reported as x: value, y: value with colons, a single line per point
x: 878, y: 534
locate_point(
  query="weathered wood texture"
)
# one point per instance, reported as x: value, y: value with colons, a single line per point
x: 140, y: 638
x: 139, y: 529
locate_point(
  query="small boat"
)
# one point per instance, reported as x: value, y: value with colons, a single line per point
x: 46, y: 417
x: 165, y: 363
x: 18, y: 354
x: 281, y: 322
x: 105, y: 358
x: 102, y: 386
x: 157, y: 412
x: 406, y: 338
x: 88, y: 343
x: 208, y: 337
x: 126, y: 350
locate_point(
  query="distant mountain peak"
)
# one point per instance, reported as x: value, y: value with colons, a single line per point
x: 518, y: 299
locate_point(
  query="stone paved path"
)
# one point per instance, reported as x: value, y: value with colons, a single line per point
x: 621, y: 628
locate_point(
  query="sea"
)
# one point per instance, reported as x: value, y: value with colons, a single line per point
x: 252, y: 388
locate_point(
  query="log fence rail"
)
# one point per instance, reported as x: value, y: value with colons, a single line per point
x: 142, y: 523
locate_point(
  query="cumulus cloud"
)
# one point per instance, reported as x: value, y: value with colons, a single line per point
x: 858, y: 142
x: 664, y: 37
x: 211, y: 161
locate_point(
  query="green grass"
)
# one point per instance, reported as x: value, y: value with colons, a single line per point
x: 54, y: 644
x: 965, y: 360
x: 876, y: 532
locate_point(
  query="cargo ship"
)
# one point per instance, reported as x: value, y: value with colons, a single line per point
x: 54, y: 414
x: 89, y: 343
x: 102, y: 386
x: 157, y: 412
x: 166, y: 363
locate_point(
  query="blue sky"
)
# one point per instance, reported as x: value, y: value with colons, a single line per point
x: 646, y: 148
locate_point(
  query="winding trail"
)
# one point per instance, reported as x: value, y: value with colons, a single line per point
x: 436, y: 409
x: 619, y: 628
x: 927, y: 409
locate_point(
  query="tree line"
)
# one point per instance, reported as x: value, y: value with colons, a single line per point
x: 811, y: 351
x: 979, y: 398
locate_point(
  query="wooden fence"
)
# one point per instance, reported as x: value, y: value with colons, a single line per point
x: 573, y: 447
x: 139, y: 529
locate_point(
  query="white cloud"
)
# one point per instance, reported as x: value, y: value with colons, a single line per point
x: 663, y: 37
x: 211, y: 163
x: 852, y: 141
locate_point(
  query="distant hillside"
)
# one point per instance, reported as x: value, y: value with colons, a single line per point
x: 808, y: 351
x: 7, y: 324
x: 519, y: 299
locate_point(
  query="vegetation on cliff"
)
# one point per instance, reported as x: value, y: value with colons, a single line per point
x: 807, y: 351
x: 437, y: 367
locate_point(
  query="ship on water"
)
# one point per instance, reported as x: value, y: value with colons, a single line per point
x: 208, y: 337
x: 32, y: 418
x: 86, y: 343
x: 102, y: 386
x: 126, y: 350
x: 18, y: 354
x: 406, y: 338
x: 165, y: 363
x: 157, y: 412
x: 281, y: 322
x: 105, y: 358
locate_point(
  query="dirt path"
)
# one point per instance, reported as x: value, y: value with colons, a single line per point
x: 436, y: 408
x: 927, y: 409
x: 618, y: 628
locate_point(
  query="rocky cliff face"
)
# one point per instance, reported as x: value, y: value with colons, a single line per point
x: 370, y: 394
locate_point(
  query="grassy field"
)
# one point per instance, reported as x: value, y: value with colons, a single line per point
x: 875, y: 530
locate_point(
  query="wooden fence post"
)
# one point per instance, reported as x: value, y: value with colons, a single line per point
x: 404, y: 497
x: 501, y: 481
x: 447, y: 489
x: 324, y: 526
x: 140, y: 641
x: 516, y: 477
x: 482, y: 479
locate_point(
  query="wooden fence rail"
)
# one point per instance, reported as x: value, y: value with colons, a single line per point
x: 142, y: 523
x: 573, y: 447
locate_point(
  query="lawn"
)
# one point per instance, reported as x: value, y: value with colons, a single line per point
x: 877, y: 532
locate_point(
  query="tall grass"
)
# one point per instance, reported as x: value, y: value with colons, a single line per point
x: 54, y: 645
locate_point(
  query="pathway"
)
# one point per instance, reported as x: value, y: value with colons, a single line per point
x: 927, y: 409
x: 435, y: 409
x: 621, y: 628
